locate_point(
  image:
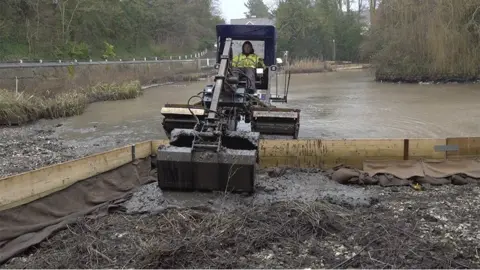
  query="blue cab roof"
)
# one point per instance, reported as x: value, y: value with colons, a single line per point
x: 246, y: 32
x: 266, y: 33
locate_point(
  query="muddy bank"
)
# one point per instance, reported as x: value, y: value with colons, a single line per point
x: 46, y: 142
x: 21, y: 108
x: 27, y: 148
x: 289, y: 224
x: 60, y: 79
x: 310, y: 70
x: 291, y: 185
x: 326, y: 68
x: 41, y: 144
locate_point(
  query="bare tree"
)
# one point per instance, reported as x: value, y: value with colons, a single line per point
x: 373, y: 7
x: 348, y: 5
x: 360, y: 6
x: 68, y: 18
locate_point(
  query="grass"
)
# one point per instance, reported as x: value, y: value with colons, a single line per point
x: 63, y: 105
x: 19, y: 108
x: 109, y: 92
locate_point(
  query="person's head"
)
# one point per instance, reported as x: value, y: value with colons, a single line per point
x: 247, y: 48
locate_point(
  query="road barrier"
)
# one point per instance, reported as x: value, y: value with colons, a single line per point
x: 202, y: 62
x: 303, y: 153
x: 60, y: 63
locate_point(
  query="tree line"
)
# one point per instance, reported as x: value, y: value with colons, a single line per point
x: 326, y: 29
x: 403, y: 38
x: 83, y: 29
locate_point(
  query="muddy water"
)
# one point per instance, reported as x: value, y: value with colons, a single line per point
x: 344, y: 104
x: 348, y: 104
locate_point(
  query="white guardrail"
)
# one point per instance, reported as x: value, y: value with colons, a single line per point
x: 203, y: 62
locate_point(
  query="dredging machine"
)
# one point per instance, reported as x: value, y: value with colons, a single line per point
x: 207, y: 150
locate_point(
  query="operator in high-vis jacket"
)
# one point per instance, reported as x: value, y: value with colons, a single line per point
x: 247, y: 62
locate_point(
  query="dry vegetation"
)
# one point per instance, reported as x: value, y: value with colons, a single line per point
x: 20, y: 108
x: 313, y: 65
x: 436, y: 227
x: 309, y: 65
x: 281, y: 235
x: 106, y: 92
x: 426, y: 40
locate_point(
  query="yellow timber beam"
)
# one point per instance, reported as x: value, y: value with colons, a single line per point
x: 314, y: 153
x: 26, y: 187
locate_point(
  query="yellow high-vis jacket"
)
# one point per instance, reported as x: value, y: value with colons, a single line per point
x: 250, y: 61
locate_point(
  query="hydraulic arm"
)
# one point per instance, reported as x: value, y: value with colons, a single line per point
x: 212, y: 155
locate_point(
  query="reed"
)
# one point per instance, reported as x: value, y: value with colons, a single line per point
x: 20, y: 108
x: 431, y: 40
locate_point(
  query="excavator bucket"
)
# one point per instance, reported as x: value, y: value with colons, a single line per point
x: 208, y: 161
x: 181, y: 116
x: 276, y: 121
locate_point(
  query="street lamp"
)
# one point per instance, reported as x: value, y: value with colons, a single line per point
x: 334, y: 51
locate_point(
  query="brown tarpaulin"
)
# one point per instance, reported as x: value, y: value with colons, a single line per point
x: 27, y: 225
x: 406, y: 169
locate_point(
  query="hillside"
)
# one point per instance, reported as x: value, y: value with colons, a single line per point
x: 83, y: 29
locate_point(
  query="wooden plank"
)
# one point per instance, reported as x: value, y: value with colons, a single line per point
x: 26, y: 187
x: 329, y: 153
x: 468, y: 147
x: 285, y: 148
x: 425, y: 149
x: 143, y: 149
x: 156, y: 144
x: 308, y: 162
x: 270, y: 162
x: 292, y: 161
x: 354, y: 152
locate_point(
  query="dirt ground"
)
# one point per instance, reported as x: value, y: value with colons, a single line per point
x: 298, y: 219
x: 27, y: 148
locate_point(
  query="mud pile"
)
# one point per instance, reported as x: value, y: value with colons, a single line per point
x: 27, y: 148
x: 271, y: 186
x: 289, y: 223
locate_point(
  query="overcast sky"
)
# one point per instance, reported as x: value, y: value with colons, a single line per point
x: 235, y: 9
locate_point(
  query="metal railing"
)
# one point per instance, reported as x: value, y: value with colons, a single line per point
x: 204, y: 62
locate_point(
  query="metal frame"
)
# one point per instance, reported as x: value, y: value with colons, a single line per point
x: 265, y: 33
x: 253, y: 32
x: 219, y: 79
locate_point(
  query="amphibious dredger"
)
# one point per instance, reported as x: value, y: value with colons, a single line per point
x: 206, y: 150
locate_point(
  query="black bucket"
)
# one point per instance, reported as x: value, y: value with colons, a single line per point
x: 232, y: 168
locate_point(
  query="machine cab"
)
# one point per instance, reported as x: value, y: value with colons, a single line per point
x: 263, y: 39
